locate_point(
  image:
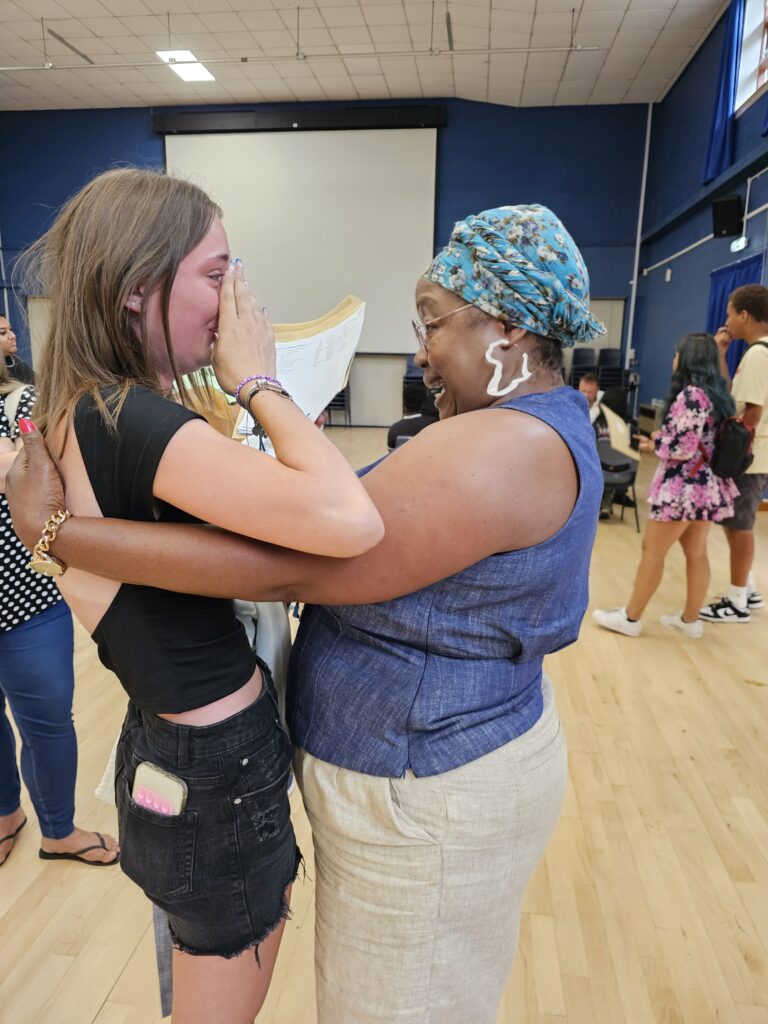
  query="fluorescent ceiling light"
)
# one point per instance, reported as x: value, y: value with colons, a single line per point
x: 186, y: 65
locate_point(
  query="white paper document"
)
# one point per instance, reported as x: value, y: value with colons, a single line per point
x: 314, y: 358
x: 621, y: 439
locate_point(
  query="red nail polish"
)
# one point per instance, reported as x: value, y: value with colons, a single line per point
x: 26, y: 426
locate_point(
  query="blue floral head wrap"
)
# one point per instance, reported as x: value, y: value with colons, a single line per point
x: 519, y: 264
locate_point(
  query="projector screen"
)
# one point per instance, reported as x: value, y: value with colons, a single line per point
x: 319, y: 215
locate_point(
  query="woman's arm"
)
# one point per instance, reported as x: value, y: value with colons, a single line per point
x: 461, y: 490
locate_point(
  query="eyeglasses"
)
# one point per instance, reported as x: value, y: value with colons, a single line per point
x: 420, y: 328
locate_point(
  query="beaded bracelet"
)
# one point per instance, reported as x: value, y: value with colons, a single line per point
x: 247, y: 380
x: 276, y: 389
x: 258, y: 430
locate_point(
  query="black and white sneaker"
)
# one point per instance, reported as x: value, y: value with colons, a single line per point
x: 754, y: 601
x: 723, y: 610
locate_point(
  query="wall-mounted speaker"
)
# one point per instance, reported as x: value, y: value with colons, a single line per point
x: 727, y: 216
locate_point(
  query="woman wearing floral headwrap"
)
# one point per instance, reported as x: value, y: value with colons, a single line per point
x: 431, y: 757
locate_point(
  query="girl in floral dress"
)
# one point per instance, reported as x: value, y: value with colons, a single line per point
x: 685, y: 495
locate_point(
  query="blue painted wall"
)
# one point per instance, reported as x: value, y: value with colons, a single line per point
x: 678, y: 213
x: 584, y: 162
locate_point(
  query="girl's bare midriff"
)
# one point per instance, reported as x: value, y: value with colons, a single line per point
x: 89, y: 596
x: 226, y: 707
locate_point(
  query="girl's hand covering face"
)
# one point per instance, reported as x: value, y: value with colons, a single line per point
x: 246, y: 341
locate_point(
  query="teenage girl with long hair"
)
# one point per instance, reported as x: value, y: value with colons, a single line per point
x: 685, y: 495
x: 136, y: 267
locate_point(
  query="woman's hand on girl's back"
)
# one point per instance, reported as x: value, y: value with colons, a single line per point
x: 246, y: 342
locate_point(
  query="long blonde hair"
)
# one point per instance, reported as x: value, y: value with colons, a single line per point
x: 126, y: 229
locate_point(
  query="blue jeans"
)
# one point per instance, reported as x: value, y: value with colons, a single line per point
x: 37, y: 680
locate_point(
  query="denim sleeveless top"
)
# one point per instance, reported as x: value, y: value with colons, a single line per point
x: 442, y: 676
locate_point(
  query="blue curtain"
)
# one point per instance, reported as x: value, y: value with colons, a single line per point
x: 722, y: 131
x: 721, y: 283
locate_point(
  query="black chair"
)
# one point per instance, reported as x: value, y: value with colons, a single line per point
x: 340, y: 404
x: 619, y: 475
x: 610, y: 372
x: 609, y: 357
x: 583, y: 362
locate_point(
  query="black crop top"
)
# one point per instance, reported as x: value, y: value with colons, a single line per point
x: 172, y: 652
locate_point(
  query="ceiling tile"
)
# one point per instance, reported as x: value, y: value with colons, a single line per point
x: 602, y: 39
x: 106, y: 27
x: 673, y: 56
x: 465, y: 38
x: 538, y: 95
x: 676, y: 37
x: 638, y: 93
x: 604, y: 5
x: 329, y: 68
x: 122, y: 7
x: 511, y: 21
x: 690, y: 18
x: 550, y: 39
x: 343, y: 17
x: 437, y: 65
x: 400, y: 88
x: 650, y: 18
x: 635, y: 39
x: 312, y: 37
x: 503, y: 40
x: 391, y: 14
x: 583, y: 66
x: 562, y: 6
x: 142, y: 25
x: 522, y: 6
x: 49, y: 9
x: 222, y: 22
x: 599, y: 21
x: 464, y: 14
x: 243, y: 5
x: 398, y: 67
x: 391, y: 34
x: 643, y: 5
x: 509, y: 64
x: 362, y: 66
x: 350, y: 36
x: 551, y: 23
x: 574, y: 93
x: 85, y: 8
x: 417, y: 14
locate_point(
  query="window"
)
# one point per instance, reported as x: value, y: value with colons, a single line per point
x: 753, y: 66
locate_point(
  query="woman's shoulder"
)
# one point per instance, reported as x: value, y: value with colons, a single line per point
x: 696, y: 396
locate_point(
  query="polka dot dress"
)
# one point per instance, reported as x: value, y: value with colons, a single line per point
x: 23, y: 593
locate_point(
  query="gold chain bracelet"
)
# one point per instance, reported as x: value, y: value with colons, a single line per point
x: 42, y: 562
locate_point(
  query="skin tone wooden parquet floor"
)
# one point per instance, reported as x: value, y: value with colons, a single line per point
x: 650, y: 907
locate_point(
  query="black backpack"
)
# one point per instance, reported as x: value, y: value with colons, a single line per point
x: 732, y: 454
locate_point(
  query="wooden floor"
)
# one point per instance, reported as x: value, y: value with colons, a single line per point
x: 650, y: 907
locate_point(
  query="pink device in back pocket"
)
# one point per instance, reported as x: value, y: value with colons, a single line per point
x: 145, y: 797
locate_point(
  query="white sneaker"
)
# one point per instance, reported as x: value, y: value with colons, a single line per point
x: 694, y: 630
x: 754, y: 600
x: 616, y: 619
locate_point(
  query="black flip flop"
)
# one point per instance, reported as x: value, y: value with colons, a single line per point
x: 78, y: 855
x: 8, y: 838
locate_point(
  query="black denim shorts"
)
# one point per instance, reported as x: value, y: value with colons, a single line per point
x: 219, y: 869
